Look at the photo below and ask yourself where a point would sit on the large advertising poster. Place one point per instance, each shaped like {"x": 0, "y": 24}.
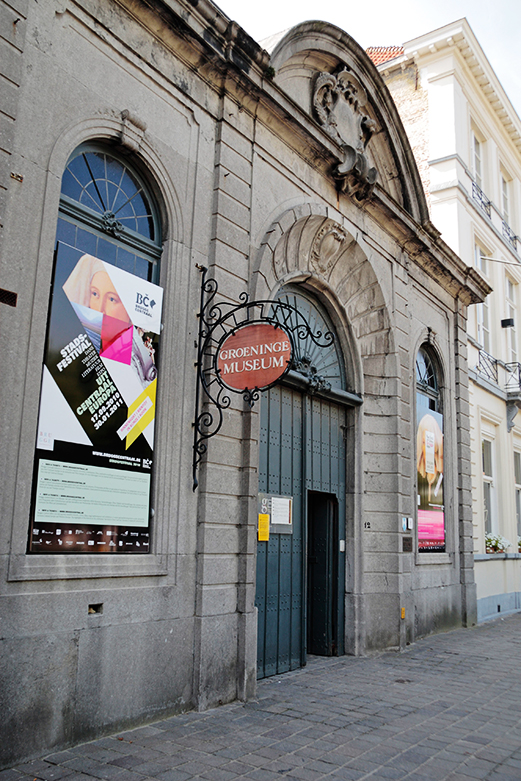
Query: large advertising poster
{"x": 429, "y": 454}
{"x": 95, "y": 440}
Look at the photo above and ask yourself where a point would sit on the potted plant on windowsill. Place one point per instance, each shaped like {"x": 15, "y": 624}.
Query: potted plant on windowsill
{"x": 496, "y": 543}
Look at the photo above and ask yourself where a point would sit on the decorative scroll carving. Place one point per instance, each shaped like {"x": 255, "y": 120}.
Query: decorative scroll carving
{"x": 327, "y": 246}
{"x": 316, "y": 381}
{"x": 111, "y": 224}
{"x": 338, "y": 100}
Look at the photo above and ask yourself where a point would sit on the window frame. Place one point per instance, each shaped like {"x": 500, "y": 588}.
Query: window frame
{"x": 488, "y": 486}
{"x": 511, "y": 310}
{"x": 429, "y": 389}
{"x": 147, "y": 561}
{"x": 483, "y": 330}
{"x": 477, "y": 158}
{"x": 517, "y": 489}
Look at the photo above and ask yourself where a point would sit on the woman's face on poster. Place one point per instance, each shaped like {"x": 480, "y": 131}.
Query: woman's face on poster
{"x": 103, "y": 297}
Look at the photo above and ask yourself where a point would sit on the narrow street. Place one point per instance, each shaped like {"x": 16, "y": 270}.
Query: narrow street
{"x": 449, "y": 707}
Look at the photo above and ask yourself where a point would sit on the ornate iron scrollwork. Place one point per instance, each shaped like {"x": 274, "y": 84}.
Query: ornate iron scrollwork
{"x": 217, "y": 321}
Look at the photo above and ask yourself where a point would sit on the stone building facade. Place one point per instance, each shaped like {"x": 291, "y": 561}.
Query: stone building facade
{"x": 148, "y": 142}
{"x": 466, "y": 138}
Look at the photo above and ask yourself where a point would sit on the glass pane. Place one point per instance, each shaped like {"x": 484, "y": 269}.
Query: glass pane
{"x": 71, "y": 186}
{"x": 487, "y": 507}
{"x": 517, "y": 467}
{"x": 95, "y": 161}
{"x": 86, "y": 241}
{"x": 425, "y": 373}
{"x": 143, "y": 268}
{"x": 66, "y": 232}
{"x": 518, "y": 511}
{"x": 126, "y": 260}
{"x": 93, "y": 197}
{"x": 107, "y": 251}
{"x": 486, "y": 450}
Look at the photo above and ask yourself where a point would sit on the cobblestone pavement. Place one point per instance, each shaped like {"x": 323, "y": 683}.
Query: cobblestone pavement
{"x": 449, "y": 707}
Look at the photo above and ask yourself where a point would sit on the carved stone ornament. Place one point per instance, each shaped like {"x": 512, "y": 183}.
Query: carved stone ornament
{"x": 338, "y": 100}
{"x": 309, "y": 371}
{"x": 327, "y": 246}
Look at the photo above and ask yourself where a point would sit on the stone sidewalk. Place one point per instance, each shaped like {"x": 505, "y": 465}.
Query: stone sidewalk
{"x": 449, "y": 707}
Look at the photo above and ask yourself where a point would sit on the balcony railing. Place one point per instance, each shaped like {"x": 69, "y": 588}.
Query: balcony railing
{"x": 513, "y": 376}
{"x": 487, "y": 366}
{"x": 480, "y": 197}
{"x": 509, "y": 235}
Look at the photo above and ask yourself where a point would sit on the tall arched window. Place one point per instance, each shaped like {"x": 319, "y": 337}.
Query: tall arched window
{"x": 429, "y": 454}
{"x": 95, "y": 445}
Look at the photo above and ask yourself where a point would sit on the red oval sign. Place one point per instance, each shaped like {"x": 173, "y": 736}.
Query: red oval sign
{"x": 255, "y": 356}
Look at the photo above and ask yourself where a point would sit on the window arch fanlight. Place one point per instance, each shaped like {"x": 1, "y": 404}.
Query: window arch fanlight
{"x": 318, "y": 364}
{"x": 108, "y": 210}
{"x": 429, "y": 454}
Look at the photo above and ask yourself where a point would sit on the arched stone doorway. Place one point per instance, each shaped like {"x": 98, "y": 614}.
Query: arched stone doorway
{"x": 301, "y": 568}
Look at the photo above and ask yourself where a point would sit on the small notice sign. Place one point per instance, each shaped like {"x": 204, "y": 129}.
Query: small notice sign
{"x": 281, "y": 510}
{"x": 264, "y": 527}
{"x": 275, "y": 515}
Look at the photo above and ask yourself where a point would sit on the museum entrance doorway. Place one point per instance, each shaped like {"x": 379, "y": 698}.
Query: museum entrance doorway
{"x": 322, "y": 574}
{"x": 302, "y": 457}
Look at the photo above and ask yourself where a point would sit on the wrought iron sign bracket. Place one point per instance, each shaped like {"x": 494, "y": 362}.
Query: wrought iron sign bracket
{"x": 221, "y": 371}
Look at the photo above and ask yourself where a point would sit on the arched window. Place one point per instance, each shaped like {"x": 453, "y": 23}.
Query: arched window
{"x": 429, "y": 454}
{"x": 97, "y": 403}
{"x": 107, "y": 210}
{"x": 427, "y": 386}
{"x": 320, "y": 365}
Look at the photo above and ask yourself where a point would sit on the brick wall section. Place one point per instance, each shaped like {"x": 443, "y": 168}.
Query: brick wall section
{"x": 412, "y": 103}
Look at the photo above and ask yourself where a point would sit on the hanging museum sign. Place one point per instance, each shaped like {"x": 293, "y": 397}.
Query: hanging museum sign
{"x": 244, "y": 348}
{"x": 95, "y": 441}
{"x": 254, "y": 357}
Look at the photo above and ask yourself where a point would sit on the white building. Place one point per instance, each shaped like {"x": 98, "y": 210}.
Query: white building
{"x": 466, "y": 138}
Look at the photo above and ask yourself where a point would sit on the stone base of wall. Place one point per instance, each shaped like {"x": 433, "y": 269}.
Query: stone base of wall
{"x": 498, "y": 605}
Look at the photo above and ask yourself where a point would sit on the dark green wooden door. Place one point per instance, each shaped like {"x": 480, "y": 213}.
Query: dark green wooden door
{"x": 302, "y": 451}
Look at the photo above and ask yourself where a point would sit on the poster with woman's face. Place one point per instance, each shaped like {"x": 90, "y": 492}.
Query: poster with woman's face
{"x": 94, "y": 450}
{"x": 429, "y": 464}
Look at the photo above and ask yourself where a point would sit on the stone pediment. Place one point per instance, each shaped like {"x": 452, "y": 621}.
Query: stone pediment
{"x": 338, "y": 103}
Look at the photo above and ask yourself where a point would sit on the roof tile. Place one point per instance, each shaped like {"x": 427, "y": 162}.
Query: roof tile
{"x": 381, "y": 54}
